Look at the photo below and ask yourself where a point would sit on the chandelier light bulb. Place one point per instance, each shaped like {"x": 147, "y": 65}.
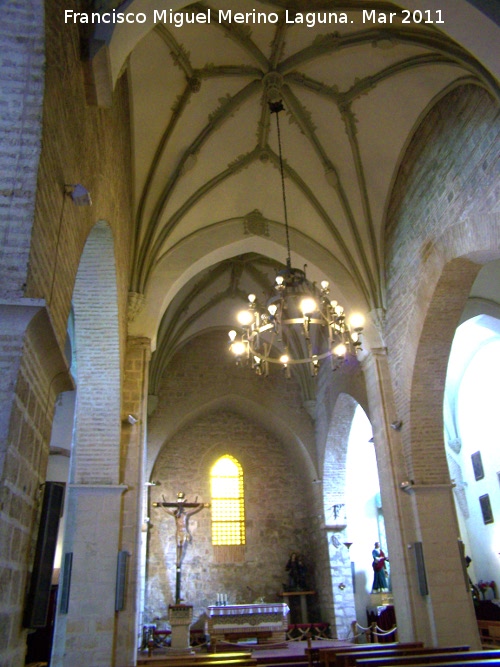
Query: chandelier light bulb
{"x": 340, "y": 350}
{"x": 339, "y": 310}
{"x": 238, "y": 349}
{"x": 279, "y": 280}
{"x": 357, "y": 321}
{"x": 308, "y": 306}
{"x": 251, "y": 298}
{"x": 284, "y": 359}
{"x": 272, "y": 309}
{"x": 232, "y": 335}
{"x": 324, "y": 285}
{"x": 245, "y": 317}
{"x": 333, "y": 303}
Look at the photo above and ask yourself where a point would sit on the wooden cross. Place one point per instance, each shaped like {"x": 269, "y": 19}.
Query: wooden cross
{"x": 182, "y": 533}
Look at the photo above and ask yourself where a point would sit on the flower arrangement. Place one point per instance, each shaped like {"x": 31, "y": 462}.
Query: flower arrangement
{"x": 484, "y": 585}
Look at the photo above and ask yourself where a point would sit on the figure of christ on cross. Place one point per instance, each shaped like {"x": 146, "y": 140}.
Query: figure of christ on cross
{"x": 182, "y": 533}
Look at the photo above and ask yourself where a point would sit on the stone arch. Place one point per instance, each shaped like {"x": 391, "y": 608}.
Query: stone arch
{"x": 211, "y": 245}
{"x": 428, "y": 382}
{"x": 336, "y": 450}
{"x": 442, "y": 220}
{"x": 336, "y": 589}
{"x": 281, "y": 426}
{"x": 97, "y": 350}
{"x": 441, "y": 228}
{"x": 94, "y": 489}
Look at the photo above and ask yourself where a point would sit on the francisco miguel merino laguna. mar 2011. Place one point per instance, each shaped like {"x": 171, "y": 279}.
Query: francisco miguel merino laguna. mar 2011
{"x": 309, "y": 19}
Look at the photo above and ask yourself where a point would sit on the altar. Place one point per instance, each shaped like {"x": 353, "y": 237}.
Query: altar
{"x": 264, "y": 623}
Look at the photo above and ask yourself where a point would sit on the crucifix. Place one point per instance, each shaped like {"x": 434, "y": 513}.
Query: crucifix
{"x": 182, "y": 533}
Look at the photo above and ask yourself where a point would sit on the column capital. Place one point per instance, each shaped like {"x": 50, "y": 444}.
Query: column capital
{"x": 139, "y": 341}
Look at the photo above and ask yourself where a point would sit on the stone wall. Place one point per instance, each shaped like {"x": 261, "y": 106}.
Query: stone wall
{"x": 276, "y": 515}
{"x": 208, "y": 407}
{"x": 444, "y": 206}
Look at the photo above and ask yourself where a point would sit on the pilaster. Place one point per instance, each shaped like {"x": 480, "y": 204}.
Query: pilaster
{"x": 84, "y": 632}
{"x": 397, "y": 506}
{"x": 133, "y": 445}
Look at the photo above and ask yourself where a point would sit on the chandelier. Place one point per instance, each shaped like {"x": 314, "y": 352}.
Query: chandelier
{"x": 299, "y": 325}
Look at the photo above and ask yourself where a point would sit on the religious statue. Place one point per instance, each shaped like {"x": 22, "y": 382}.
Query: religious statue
{"x": 379, "y": 570}
{"x": 297, "y": 571}
{"x": 182, "y": 533}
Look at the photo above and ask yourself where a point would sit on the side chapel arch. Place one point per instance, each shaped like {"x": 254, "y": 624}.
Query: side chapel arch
{"x": 92, "y": 516}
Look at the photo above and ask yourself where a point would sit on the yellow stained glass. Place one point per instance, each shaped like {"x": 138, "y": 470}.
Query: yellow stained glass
{"x": 228, "y": 514}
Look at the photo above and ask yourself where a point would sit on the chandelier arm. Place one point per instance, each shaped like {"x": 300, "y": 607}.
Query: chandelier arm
{"x": 290, "y": 362}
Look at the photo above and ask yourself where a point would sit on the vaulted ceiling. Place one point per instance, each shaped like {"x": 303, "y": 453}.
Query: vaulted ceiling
{"x": 208, "y": 204}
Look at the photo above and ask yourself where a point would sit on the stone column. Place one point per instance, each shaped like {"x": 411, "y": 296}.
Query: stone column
{"x": 133, "y": 444}
{"x": 422, "y": 514}
{"x": 34, "y": 371}
{"x": 85, "y": 634}
{"x": 410, "y": 607}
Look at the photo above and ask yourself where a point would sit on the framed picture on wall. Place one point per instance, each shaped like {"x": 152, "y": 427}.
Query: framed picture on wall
{"x": 484, "y": 501}
{"x": 477, "y": 465}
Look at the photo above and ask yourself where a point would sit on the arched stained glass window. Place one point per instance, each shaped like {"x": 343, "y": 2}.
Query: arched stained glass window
{"x": 228, "y": 510}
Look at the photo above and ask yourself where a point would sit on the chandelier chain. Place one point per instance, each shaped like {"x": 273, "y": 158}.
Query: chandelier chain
{"x": 276, "y": 108}
{"x": 300, "y": 324}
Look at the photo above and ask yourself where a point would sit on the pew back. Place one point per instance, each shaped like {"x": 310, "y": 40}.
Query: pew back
{"x": 327, "y": 656}
{"x": 385, "y": 657}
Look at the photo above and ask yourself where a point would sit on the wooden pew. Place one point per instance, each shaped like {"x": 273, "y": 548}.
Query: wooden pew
{"x": 405, "y": 653}
{"x": 327, "y": 656}
{"x": 236, "y": 659}
{"x": 435, "y": 656}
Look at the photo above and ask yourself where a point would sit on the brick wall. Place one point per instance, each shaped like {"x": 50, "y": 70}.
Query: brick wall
{"x": 81, "y": 144}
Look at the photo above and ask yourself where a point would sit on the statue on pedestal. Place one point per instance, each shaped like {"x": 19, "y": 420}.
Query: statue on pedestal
{"x": 379, "y": 566}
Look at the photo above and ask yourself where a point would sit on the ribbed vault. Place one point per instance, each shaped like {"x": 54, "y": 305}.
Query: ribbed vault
{"x": 206, "y": 156}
